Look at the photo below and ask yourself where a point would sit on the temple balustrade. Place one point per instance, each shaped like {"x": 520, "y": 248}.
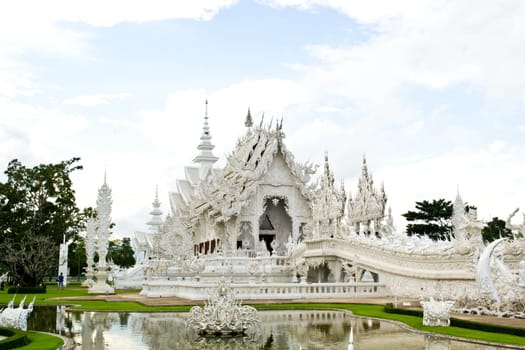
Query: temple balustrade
{"x": 160, "y": 287}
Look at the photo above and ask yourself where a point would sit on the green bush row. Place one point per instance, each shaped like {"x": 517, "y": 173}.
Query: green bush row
{"x": 390, "y": 309}
{"x": 16, "y": 338}
{"x": 456, "y": 322}
{"x": 27, "y": 290}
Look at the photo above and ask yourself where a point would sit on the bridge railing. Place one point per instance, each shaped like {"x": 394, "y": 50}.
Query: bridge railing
{"x": 280, "y": 291}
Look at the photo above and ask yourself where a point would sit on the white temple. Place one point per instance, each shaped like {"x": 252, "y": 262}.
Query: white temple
{"x": 265, "y": 222}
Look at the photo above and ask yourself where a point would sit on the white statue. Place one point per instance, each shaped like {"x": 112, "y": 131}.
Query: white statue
{"x": 62, "y": 261}
{"x": 103, "y": 223}
{"x": 484, "y": 272}
{"x": 436, "y": 312}
{"x": 12, "y": 317}
{"x": 223, "y": 314}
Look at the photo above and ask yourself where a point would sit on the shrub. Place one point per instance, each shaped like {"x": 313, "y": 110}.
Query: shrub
{"x": 456, "y": 322}
{"x": 27, "y": 290}
{"x": 390, "y": 309}
{"x": 16, "y": 338}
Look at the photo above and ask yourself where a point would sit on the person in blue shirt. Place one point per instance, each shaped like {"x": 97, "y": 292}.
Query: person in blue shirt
{"x": 61, "y": 280}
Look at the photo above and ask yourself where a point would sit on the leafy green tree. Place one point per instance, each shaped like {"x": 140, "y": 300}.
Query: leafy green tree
{"x": 77, "y": 261}
{"x": 121, "y": 252}
{"x": 496, "y": 228}
{"x": 37, "y": 207}
{"x": 431, "y": 218}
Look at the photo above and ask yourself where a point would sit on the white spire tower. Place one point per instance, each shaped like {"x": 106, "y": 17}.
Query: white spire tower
{"x": 205, "y": 159}
{"x": 458, "y": 217}
{"x": 103, "y": 222}
{"x": 156, "y": 214}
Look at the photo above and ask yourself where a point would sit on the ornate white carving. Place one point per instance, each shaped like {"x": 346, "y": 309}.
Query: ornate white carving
{"x": 368, "y": 205}
{"x": 12, "y": 317}
{"x": 223, "y": 314}
{"x": 436, "y": 312}
{"x": 261, "y": 180}
{"x": 103, "y": 223}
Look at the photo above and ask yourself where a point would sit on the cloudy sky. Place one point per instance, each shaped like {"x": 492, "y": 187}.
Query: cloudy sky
{"x": 433, "y": 92}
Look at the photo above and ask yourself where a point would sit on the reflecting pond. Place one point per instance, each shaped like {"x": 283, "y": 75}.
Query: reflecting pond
{"x": 307, "y": 330}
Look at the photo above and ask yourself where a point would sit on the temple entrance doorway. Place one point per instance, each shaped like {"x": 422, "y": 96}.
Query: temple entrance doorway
{"x": 268, "y": 239}
{"x": 275, "y": 225}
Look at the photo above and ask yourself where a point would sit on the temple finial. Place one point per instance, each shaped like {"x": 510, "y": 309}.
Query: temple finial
{"x": 248, "y": 122}
{"x": 206, "y": 127}
{"x": 205, "y": 158}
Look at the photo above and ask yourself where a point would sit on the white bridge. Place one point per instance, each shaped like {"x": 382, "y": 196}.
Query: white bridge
{"x": 359, "y": 267}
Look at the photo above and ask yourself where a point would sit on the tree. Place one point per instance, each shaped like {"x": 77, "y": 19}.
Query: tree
{"x": 77, "y": 257}
{"x": 28, "y": 259}
{"x": 37, "y": 206}
{"x": 496, "y": 228}
{"x": 121, "y": 252}
{"x": 431, "y": 218}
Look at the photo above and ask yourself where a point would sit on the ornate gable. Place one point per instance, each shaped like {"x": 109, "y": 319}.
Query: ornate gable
{"x": 229, "y": 190}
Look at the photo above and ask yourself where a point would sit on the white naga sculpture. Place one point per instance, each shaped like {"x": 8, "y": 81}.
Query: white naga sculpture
{"x": 500, "y": 288}
{"x": 223, "y": 315}
{"x": 12, "y": 317}
{"x": 484, "y": 272}
{"x": 436, "y": 312}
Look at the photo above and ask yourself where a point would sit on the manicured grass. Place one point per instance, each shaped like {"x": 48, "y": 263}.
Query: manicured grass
{"x": 131, "y": 306}
{"x": 42, "y": 341}
{"x": 52, "y": 292}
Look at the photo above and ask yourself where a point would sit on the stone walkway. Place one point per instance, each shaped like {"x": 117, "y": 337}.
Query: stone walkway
{"x": 171, "y": 301}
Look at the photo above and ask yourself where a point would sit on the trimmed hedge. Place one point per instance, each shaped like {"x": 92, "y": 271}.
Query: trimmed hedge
{"x": 390, "y": 309}
{"x": 27, "y": 290}
{"x": 456, "y": 322}
{"x": 16, "y": 338}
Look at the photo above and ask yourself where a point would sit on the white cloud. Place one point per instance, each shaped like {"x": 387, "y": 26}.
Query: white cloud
{"x": 435, "y": 44}
{"x": 94, "y": 100}
{"x": 179, "y": 124}
{"x": 29, "y": 131}
{"x": 487, "y": 179}
{"x": 47, "y": 27}
{"x": 496, "y": 147}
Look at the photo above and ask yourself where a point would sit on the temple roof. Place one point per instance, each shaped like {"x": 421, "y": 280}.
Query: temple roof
{"x": 226, "y": 191}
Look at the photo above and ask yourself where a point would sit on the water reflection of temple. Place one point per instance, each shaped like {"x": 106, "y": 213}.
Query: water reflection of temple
{"x": 296, "y": 329}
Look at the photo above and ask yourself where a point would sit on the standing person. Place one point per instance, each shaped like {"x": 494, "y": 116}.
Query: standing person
{"x": 61, "y": 280}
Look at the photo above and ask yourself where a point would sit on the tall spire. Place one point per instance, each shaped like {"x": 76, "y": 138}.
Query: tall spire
{"x": 248, "y": 122}
{"x": 364, "y": 169}
{"x": 205, "y": 159}
{"x": 104, "y": 203}
{"x": 156, "y": 221}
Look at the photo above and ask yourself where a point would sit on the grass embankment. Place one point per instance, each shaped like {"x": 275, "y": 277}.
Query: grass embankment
{"x": 42, "y": 341}
{"x": 365, "y": 310}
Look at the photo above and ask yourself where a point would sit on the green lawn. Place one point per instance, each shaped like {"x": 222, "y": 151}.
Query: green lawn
{"x": 42, "y": 341}
{"x": 358, "y": 309}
